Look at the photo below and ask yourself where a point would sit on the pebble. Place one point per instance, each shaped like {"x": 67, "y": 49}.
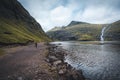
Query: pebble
{"x": 57, "y": 62}
{"x": 62, "y": 71}
{"x": 52, "y": 57}
{"x": 20, "y": 78}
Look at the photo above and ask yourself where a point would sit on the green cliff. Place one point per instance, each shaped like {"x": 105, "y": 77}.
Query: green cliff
{"x": 17, "y": 25}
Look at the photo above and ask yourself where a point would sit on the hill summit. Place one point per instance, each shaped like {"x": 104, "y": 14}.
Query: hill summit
{"x": 76, "y": 22}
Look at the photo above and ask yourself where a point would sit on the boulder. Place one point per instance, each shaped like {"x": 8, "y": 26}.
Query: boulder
{"x": 62, "y": 71}
{"x": 53, "y": 58}
{"x": 20, "y": 78}
{"x": 57, "y": 62}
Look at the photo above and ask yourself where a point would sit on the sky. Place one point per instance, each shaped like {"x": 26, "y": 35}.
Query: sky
{"x": 54, "y": 13}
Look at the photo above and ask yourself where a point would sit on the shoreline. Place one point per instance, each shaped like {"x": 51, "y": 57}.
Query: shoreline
{"x": 46, "y": 62}
{"x": 63, "y": 70}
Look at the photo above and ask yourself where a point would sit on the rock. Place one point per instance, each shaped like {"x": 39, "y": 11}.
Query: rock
{"x": 62, "y": 71}
{"x": 59, "y": 43}
{"x": 47, "y": 60}
{"x": 57, "y": 62}
{"x": 20, "y": 78}
{"x": 52, "y": 57}
{"x": 8, "y": 76}
{"x": 36, "y": 71}
{"x": 52, "y": 69}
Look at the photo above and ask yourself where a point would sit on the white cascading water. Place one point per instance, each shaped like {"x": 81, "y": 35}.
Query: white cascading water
{"x": 102, "y": 34}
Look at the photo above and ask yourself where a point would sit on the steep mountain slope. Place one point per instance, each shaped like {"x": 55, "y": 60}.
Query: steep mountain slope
{"x": 112, "y": 32}
{"x": 77, "y": 31}
{"x": 17, "y": 25}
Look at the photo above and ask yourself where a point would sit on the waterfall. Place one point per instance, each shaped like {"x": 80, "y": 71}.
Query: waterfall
{"x": 102, "y": 34}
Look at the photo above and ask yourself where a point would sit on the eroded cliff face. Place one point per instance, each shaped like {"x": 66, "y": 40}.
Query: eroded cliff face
{"x": 17, "y": 25}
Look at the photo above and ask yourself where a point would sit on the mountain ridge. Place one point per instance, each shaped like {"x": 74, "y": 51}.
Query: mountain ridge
{"x": 86, "y": 32}
{"x": 76, "y": 22}
{"x": 78, "y": 31}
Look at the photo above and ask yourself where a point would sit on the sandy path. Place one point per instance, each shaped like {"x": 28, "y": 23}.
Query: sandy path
{"x": 24, "y": 63}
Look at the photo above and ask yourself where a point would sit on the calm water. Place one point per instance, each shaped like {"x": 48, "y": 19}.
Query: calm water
{"x": 98, "y": 61}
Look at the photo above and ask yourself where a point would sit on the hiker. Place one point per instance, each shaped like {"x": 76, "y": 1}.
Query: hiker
{"x": 36, "y": 44}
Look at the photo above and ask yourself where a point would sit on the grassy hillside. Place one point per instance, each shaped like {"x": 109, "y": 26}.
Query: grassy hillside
{"x": 86, "y": 31}
{"x": 17, "y": 25}
{"x": 80, "y": 31}
{"x": 112, "y": 32}
{"x": 11, "y": 32}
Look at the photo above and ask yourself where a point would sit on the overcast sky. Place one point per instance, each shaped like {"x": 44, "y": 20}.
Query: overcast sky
{"x": 51, "y": 13}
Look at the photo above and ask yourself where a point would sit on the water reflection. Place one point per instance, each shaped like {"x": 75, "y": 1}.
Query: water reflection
{"x": 98, "y": 62}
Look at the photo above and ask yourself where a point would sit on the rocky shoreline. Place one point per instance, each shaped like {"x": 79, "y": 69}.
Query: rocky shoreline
{"x": 62, "y": 70}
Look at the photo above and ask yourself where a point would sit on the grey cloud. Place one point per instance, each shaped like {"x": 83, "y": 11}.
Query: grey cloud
{"x": 94, "y": 11}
